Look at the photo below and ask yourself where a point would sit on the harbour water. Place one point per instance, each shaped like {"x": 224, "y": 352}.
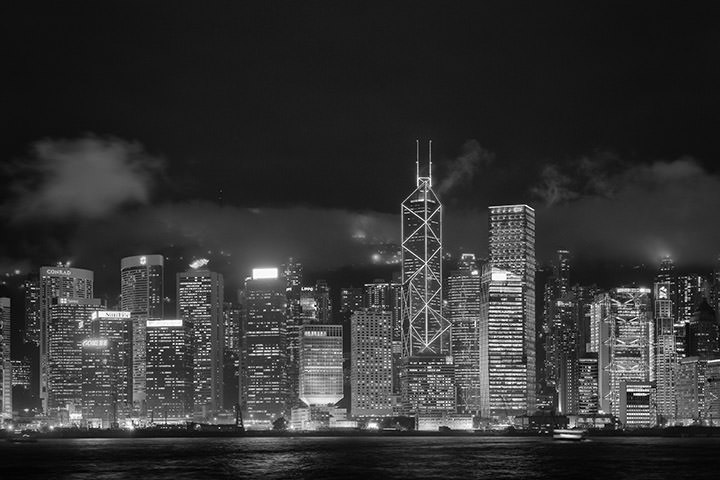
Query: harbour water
{"x": 362, "y": 457}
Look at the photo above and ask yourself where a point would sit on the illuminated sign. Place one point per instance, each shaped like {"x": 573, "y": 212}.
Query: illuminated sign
{"x": 200, "y": 262}
{"x": 95, "y": 343}
{"x": 262, "y": 273}
{"x": 499, "y": 276}
{"x": 663, "y": 292}
{"x": 164, "y": 323}
{"x": 110, "y": 315}
{"x": 315, "y": 333}
{"x": 55, "y": 271}
{"x": 143, "y": 260}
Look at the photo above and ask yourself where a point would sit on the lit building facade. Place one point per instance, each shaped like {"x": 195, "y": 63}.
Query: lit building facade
{"x": 425, "y": 331}
{"x": 511, "y": 310}
{"x": 630, "y": 340}
{"x": 588, "y": 390}
{"x": 387, "y": 296}
{"x": 200, "y": 302}
{"x": 57, "y": 282}
{"x": 691, "y": 385}
{"x": 68, "y": 325}
{"x": 321, "y": 364}
{"x": 31, "y": 293}
{"x": 464, "y": 311}
{"x": 116, "y": 327}
{"x": 99, "y": 382}
{"x": 371, "y": 363}
{"x": 264, "y": 382}
{"x": 142, "y": 293}
{"x": 169, "y": 369}
{"x": 665, "y": 351}
{"x": 636, "y": 408}
{"x": 6, "y": 367}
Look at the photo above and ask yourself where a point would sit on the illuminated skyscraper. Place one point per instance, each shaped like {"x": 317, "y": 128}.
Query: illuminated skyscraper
{"x": 264, "y": 383}
{"x": 628, "y": 315}
{"x": 200, "y": 300}
{"x": 99, "y": 381}
{"x": 116, "y": 328}
{"x": 387, "y": 296}
{"x": 31, "y": 329}
{"x": 5, "y": 363}
{"x": 511, "y": 310}
{"x": 371, "y": 363}
{"x": 141, "y": 289}
{"x": 665, "y": 351}
{"x": 425, "y": 331}
{"x": 702, "y": 333}
{"x": 464, "y": 311}
{"x": 689, "y": 295}
{"x": 58, "y": 282}
{"x": 293, "y": 273}
{"x": 321, "y": 364}
{"x": 169, "y": 369}
{"x": 323, "y": 302}
{"x": 68, "y": 325}
{"x": 588, "y": 392}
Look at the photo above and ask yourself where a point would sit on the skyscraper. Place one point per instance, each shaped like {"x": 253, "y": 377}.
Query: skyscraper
{"x": 371, "y": 363}
{"x": 464, "y": 311}
{"x": 169, "y": 369}
{"x": 68, "y": 325}
{"x": 32, "y": 310}
{"x": 58, "y": 282}
{"x": 265, "y": 354}
{"x": 426, "y": 332}
{"x": 665, "y": 351}
{"x": 141, "y": 289}
{"x": 293, "y": 274}
{"x": 99, "y": 381}
{"x": 628, "y": 315}
{"x": 511, "y": 310}
{"x": 200, "y": 300}
{"x": 689, "y": 295}
{"x": 5, "y": 363}
{"x": 703, "y": 333}
{"x": 321, "y": 364}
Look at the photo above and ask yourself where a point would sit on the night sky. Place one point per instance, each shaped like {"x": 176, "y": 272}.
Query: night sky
{"x": 268, "y": 129}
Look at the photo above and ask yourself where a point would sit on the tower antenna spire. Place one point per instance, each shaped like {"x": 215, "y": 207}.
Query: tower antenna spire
{"x": 417, "y": 161}
{"x": 430, "y": 158}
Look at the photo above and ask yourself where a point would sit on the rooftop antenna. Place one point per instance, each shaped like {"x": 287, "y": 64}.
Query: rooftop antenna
{"x": 430, "y": 157}
{"x": 417, "y": 161}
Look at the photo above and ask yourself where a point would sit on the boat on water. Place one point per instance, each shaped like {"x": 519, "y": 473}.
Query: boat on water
{"x": 569, "y": 434}
{"x": 22, "y": 437}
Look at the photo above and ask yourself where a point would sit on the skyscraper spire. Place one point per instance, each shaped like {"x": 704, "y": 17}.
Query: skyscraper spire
{"x": 417, "y": 162}
{"x": 430, "y": 161}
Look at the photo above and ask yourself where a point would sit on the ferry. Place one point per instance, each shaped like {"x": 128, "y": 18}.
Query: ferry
{"x": 569, "y": 434}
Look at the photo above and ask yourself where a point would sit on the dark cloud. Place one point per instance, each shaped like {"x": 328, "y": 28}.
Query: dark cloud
{"x": 461, "y": 171}
{"x": 613, "y": 210}
{"x": 82, "y": 178}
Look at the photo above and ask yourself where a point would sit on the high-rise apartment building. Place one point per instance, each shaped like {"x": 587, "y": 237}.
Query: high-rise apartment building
{"x": 511, "y": 310}
{"x": 321, "y": 364}
{"x": 371, "y": 363}
{"x": 200, "y": 301}
{"x": 5, "y": 362}
{"x": 169, "y": 370}
{"x": 264, "y": 383}
{"x": 464, "y": 311}
{"x": 57, "y": 282}
{"x": 142, "y": 293}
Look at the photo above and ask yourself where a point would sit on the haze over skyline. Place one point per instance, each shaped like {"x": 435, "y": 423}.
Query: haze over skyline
{"x": 268, "y": 131}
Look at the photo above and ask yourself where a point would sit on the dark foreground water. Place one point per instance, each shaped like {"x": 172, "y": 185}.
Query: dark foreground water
{"x": 362, "y": 457}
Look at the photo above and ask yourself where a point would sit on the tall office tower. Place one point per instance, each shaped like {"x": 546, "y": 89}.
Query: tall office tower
{"x": 57, "y": 282}
{"x": 142, "y": 293}
{"x": 264, "y": 382}
{"x": 716, "y": 287}
{"x": 169, "y": 370}
{"x": 464, "y": 311}
{"x": 511, "y": 310}
{"x": 5, "y": 363}
{"x": 232, "y": 317}
{"x": 702, "y": 333}
{"x": 425, "y": 331}
{"x": 630, "y": 340}
{"x": 387, "y": 296}
{"x": 692, "y": 380}
{"x": 31, "y": 329}
{"x": 200, "y": 298}
{"x": 116, "y": 328}
{"x": 68, "y": 325}
{"x": 665, "y": 351}
{"x": 292, "y": 271}
{"x": 599, "y": 346}
{"x": 588, "y": 391}
{"x": 323, "y": 302}
{"x": 637, "y": 409}
{"x": 99, "y": 381}
{"x": 371, "y": 363}
{"x": 321, "y": 364}
{"x": 689, "y": 295}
